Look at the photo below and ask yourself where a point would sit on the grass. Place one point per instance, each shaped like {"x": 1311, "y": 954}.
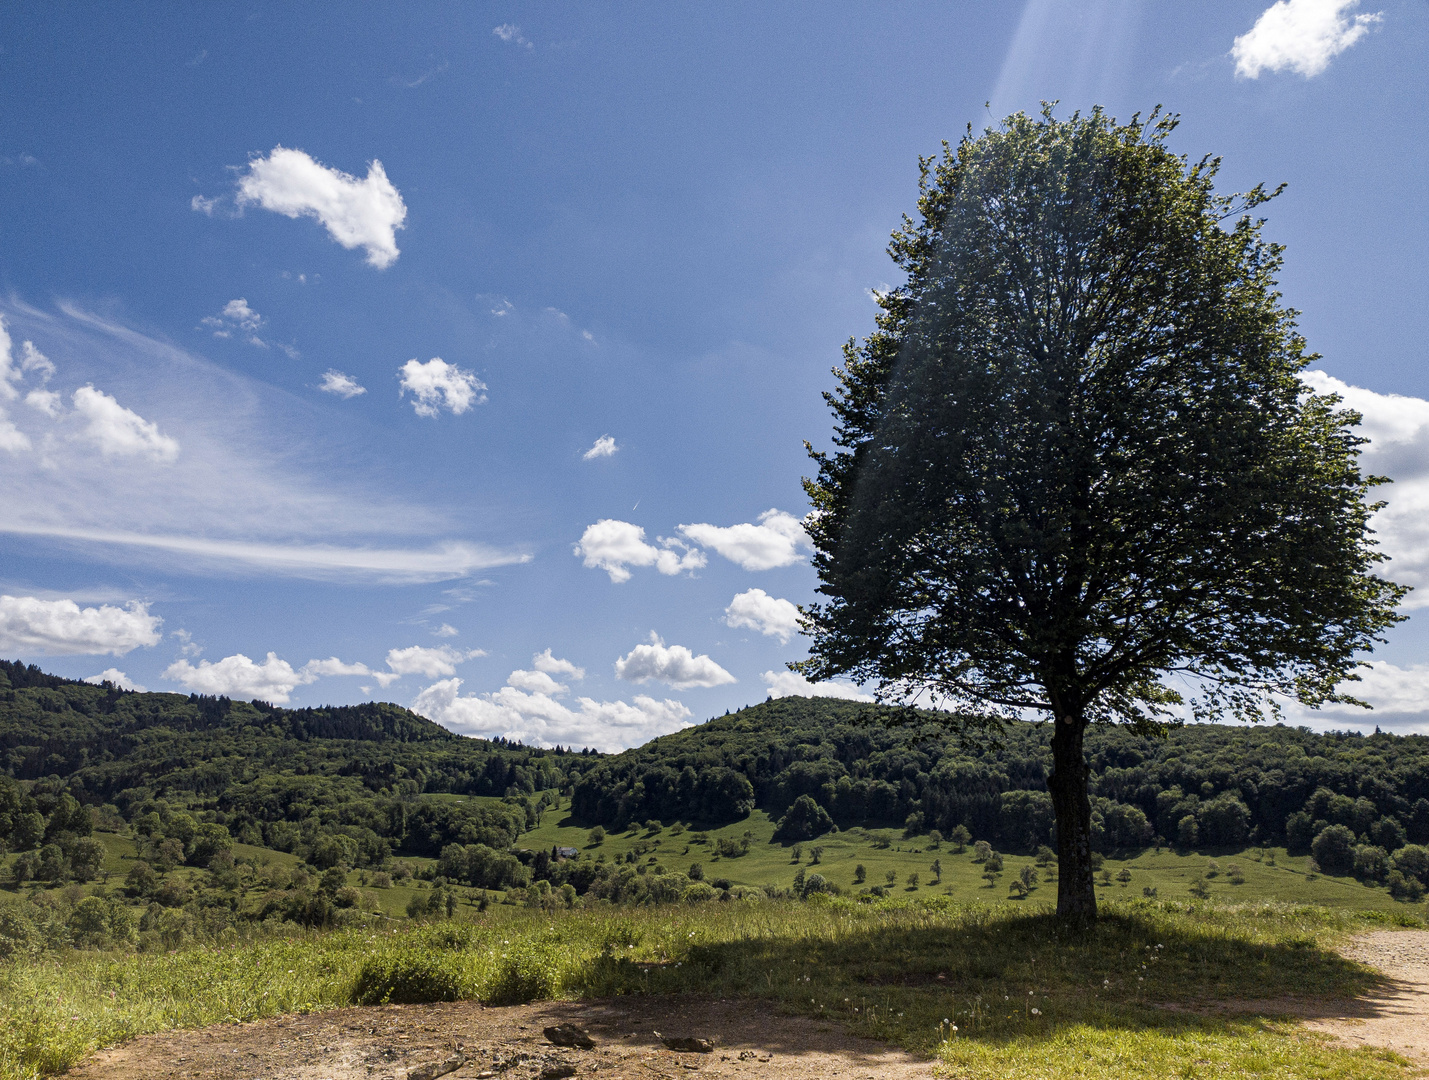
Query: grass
{"x": 894, "y": 970}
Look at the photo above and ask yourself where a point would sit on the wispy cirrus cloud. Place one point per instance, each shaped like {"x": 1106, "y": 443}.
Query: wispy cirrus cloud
{"x": 198, "y": 466}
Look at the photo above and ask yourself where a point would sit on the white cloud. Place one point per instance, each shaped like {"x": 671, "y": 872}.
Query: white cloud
{"x": 202, "y": 205}
{"x": 236, "y": 315}
{"x": 437, "y": 384}
{"x": 356, "y": 213}
{"x": 1302, "y": 35}
{"x": 333, "y": 666}
{"x": 61, "y": 627}
{"x": 792, "y": 684}
{"x": 554, "y": 665}
{"x": 612, "y": 545}
{"x": 1399, "y": 697}
{"x": 13, "y": 371}
{"x": 344, "y": 386}
{"x": 604, "y": 447}
{"x": 256, "y": 489}
{"x": 237, "y": 676}
{"x": 539, "y": 719}
{"x": 12, "y": 439}
{"x": 755, "y": 609}
{"x": 674, "y": 665}
{"x": 512, "y": 33}
{"x": 421, "y": 660}
{"x": 1398, "y": 431}
{"x": 118, "y": 678}
{"x": 536, "y": 682}
{"x": 320, "y": 561}
{"x": 45, "y": 401}
{"x": 446, "y": 630}
{"x": 774, "y": 542}
{"x": 118, "y": 431}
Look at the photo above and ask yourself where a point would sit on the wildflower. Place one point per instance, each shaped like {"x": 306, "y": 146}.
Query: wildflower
{"x": 1036, "y": 1012}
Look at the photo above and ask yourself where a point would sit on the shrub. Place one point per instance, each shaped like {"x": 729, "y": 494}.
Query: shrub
{"x": 697, "y": 892}
{"x": 1408, "y": 889}
{"x": 804, "y": 820}
{"x": 860, "y": 874}
{"x": 1412, "y": 861}
{"x": 1371, "y": 862}
{"x": 528, "y": 973}
{"x": 1333, "y": 849}
{"x": 1200, "y": 889}
{"x": 1235, "y": 875}
{"x": 696, "y": 872}
{"x": 913, "y": 879}
{"x": 993, "y": 862}
{"x": 409, "y": 978}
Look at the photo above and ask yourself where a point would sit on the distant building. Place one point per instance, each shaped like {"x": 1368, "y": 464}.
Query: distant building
{"x": 567, "y": 852}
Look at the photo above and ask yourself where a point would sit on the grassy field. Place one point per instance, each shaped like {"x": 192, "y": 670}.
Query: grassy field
{"x": 1268, "y": 874}
{"x": 991, "y": 991}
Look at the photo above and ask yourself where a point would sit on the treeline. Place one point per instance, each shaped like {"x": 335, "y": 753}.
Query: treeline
{"x": 356, "y": 780}
{"x": 1200, "y": 786}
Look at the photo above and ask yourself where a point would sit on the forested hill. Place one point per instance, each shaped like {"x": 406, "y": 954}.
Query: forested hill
{"x": 282, "y": 778}
{"x": 1207, "y": 784}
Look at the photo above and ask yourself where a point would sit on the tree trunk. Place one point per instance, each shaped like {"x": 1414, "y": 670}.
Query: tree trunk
{"x": 1076, "y": 893}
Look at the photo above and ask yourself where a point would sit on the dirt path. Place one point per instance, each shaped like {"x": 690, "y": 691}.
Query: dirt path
{"x": 1397, "y": 1017}
{"x": 395, "y": 1042}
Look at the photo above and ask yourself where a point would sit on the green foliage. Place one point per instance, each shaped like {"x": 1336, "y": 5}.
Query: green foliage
{"x": 1334, "y": 849}
{"x": 1077, "y": 455}
{"x": 804, "y": 820}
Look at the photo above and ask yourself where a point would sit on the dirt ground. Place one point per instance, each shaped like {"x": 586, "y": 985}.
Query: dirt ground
{"x": 395, "y": 1042}
{"x": 406, "y": 1042}
{"x": 1397, "y": 1017}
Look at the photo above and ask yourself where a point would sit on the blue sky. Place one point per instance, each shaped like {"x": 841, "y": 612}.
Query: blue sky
{"x": 589, "y": 267}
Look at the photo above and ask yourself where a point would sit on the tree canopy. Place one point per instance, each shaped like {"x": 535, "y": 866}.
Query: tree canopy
{"x": 1075, "y": 468}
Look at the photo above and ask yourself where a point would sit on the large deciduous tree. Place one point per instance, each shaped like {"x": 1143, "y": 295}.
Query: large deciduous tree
{"x": 1075, "y": 468}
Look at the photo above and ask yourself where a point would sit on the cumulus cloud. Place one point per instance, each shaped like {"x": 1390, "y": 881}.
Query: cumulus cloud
{"x": 436, "y": 385}
{"x": 1301, "y": 35}
{"x": 421, "y": 660}
{"x": 446, "y": 630}
{"x": 772, "y": 543}
{"x": 356, "y": 213}
{"x": 344, "y": 386}
{"x": 539, "y": 719}
{"x": 121, "y": 432}
{"x": 792, "y": 684}
{"x": 118, "y": 678}
{"x": 1397, "y": 428}
{"x": 536, "y": 682}
{"x": 755, "y": 609}
{"x": 333, "y": 666}
{"x": 674, "y": 665}
{"x": 61, "y": 627}
{"x": 554, "y": 665}
{"x": 604, "y": 447}
{"x": 237, "y": 676}
{"x": 12, "y": 439}
{"x": 612, "y": 546}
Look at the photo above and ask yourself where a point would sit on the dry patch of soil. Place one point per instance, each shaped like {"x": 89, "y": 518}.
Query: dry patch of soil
{"x": 1397, "y": 1016}
{"x": 398, "y": 1042}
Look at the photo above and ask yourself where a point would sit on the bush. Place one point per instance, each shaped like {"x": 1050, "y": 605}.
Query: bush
{"x": 1371, "y": 863}
{"x": 804, "y": 820}
{"x": 526, "y": 974}
{"x": 1333, "y": 849}
{"x": 696, "y": 872}
{"x": 409, "y": 978}
{"x": 1408, "y": 889}
{"x": 860, "y": 874}
{"x": 697, "y": 892}
{"x": 1412, "y": 861}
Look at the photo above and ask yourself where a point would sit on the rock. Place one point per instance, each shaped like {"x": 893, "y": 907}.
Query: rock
{"x": 686, "y": 1045}
{"x": 569, "y": 1035}
{"x": 558, "y": 1072}
{"x": 434, "y": 1069}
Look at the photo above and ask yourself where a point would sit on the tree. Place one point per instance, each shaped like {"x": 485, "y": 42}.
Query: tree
{"x": 1075, "y": 470}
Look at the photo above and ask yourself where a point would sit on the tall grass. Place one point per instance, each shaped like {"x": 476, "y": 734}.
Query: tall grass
{"x": 891, "y": 970}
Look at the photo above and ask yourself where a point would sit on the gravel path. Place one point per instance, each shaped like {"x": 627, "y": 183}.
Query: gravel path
{"x": 1397, "y": 1017}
